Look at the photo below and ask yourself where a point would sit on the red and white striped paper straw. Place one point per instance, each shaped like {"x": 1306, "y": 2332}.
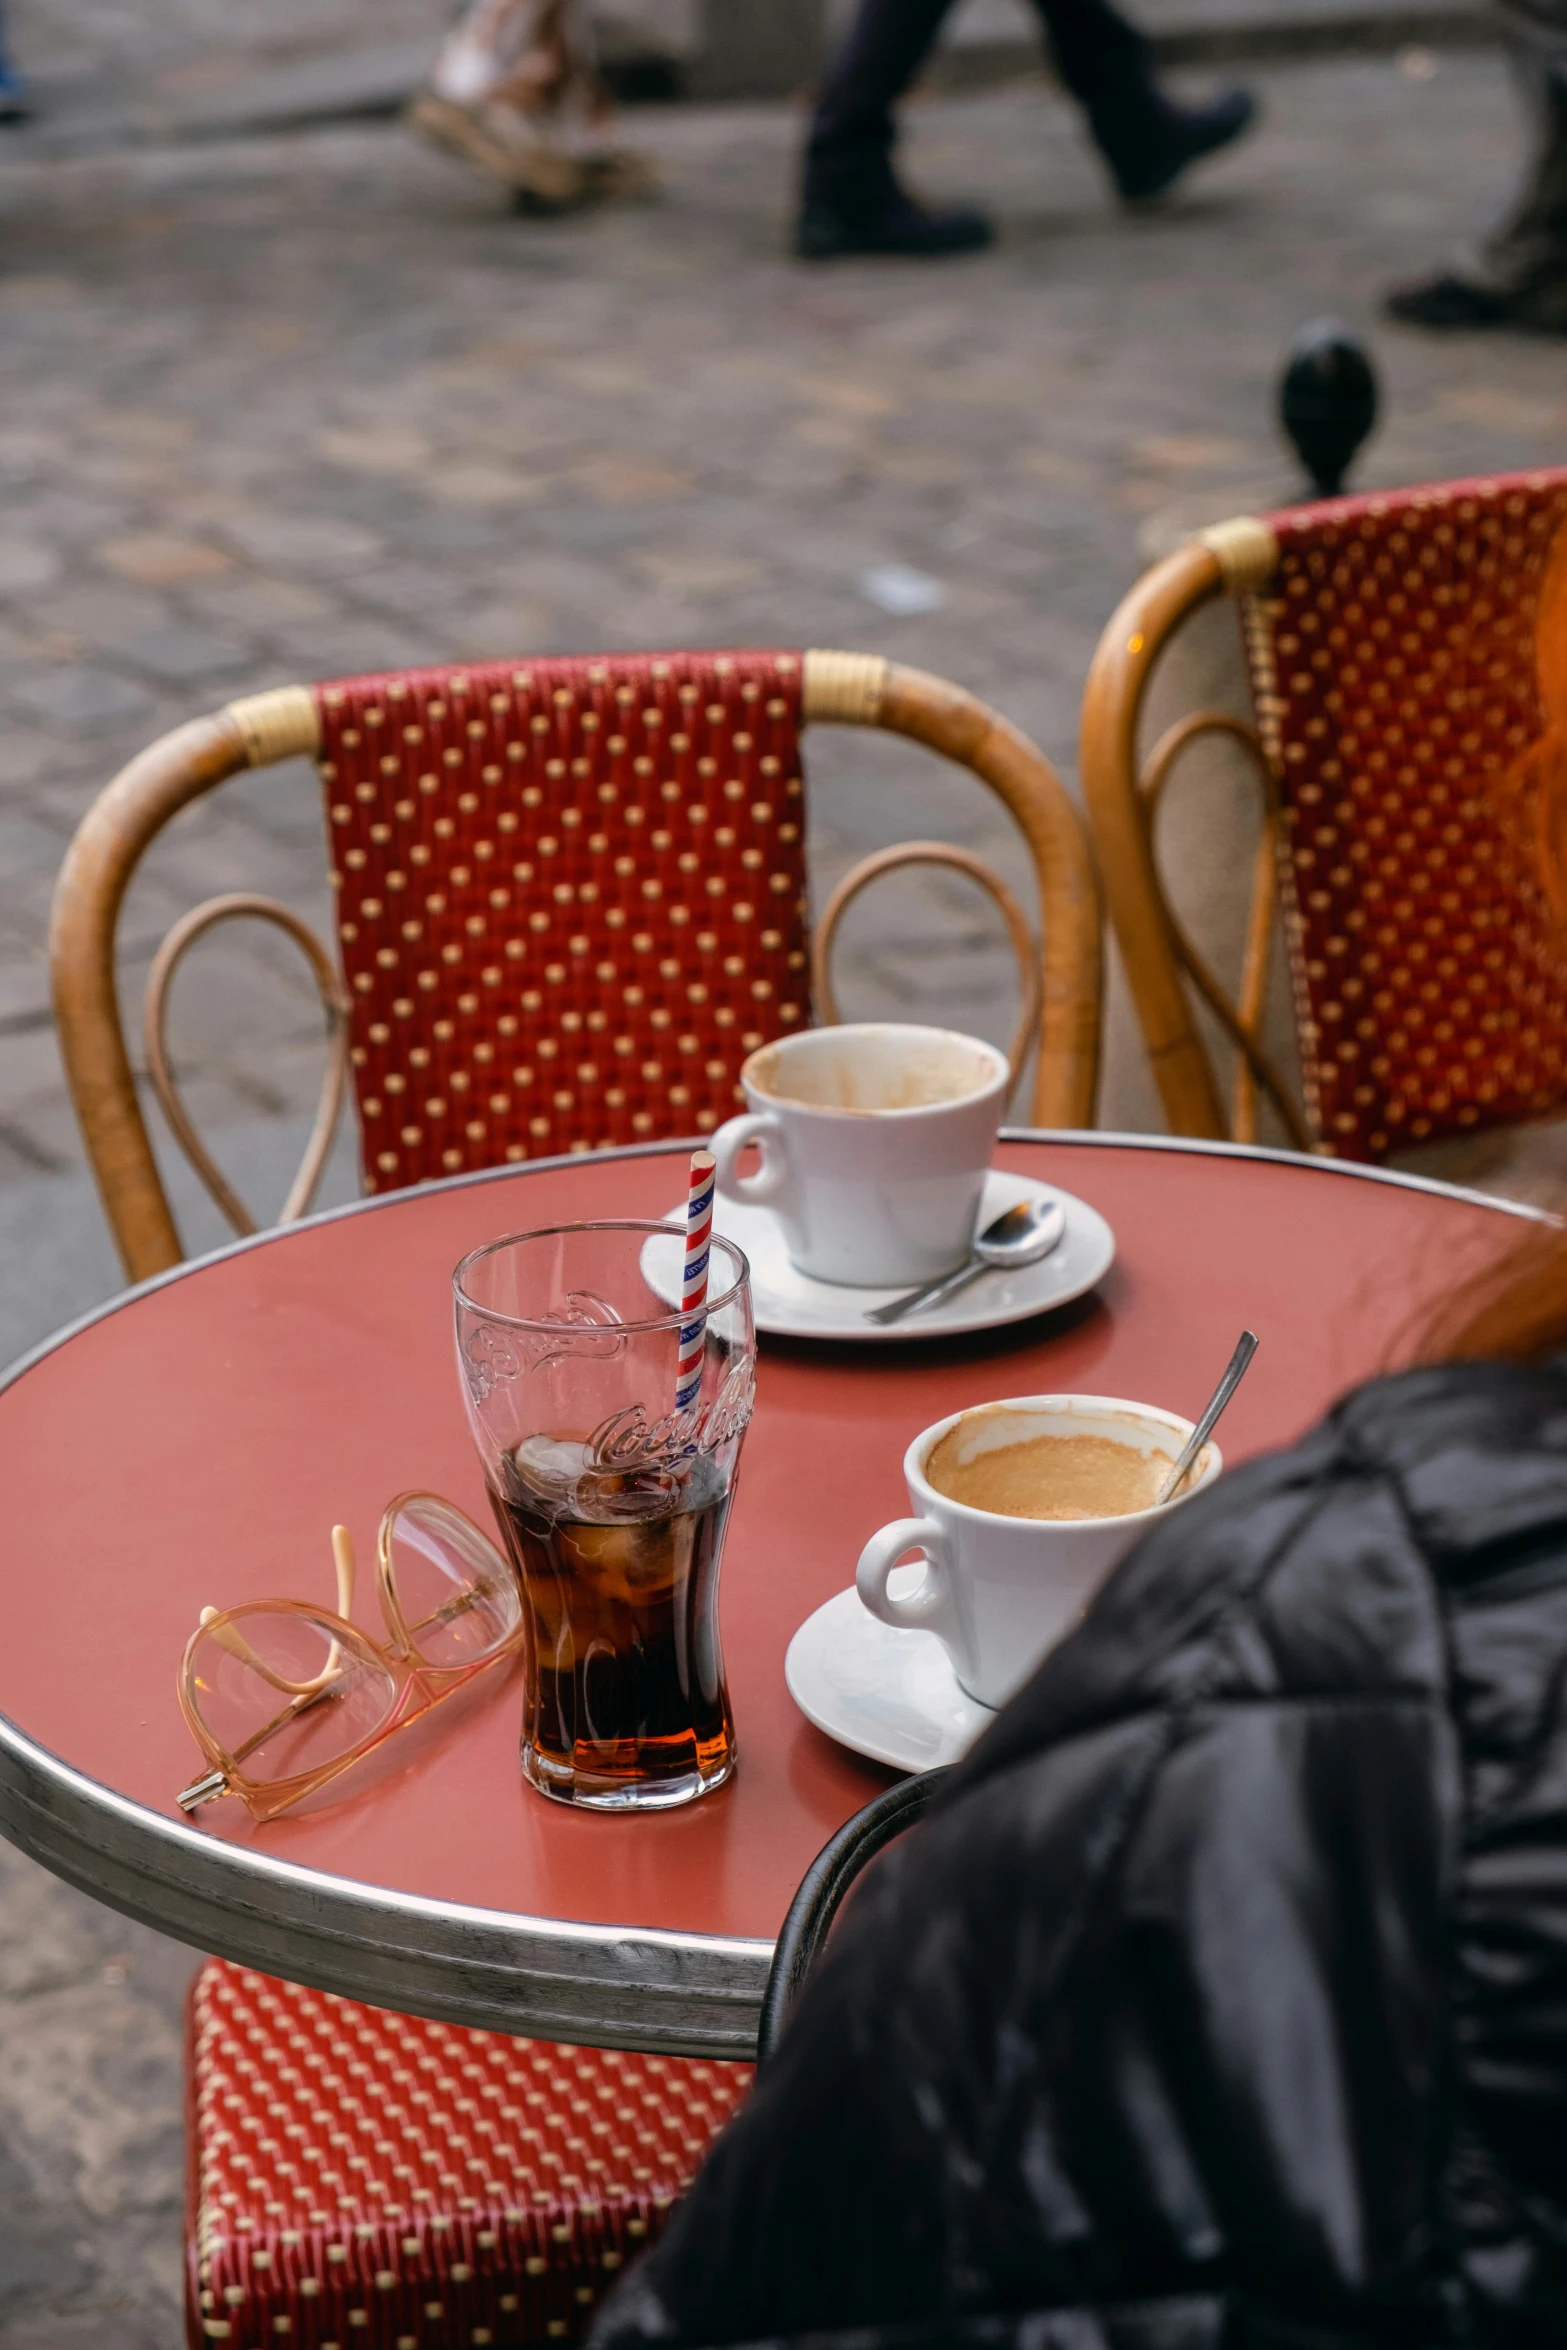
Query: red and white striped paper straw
{"x": 693, "y": 1288}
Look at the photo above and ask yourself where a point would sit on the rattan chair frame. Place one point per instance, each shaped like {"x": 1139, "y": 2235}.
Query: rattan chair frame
{"x": 1164, "y": 968}
{"x": 838, "y": 688}
{"x": 940, "y": 853}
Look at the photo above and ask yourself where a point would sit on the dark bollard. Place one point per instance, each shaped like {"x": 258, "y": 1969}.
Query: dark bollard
{"x": 1327, "y": 401}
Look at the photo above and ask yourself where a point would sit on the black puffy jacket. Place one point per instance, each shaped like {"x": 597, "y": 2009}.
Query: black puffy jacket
{"x": 1224, "y": 1994}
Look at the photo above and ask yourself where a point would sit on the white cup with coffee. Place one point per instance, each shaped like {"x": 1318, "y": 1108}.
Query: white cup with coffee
{"x": 875, "y": 1143}
{"x": 1022, "y": 1509}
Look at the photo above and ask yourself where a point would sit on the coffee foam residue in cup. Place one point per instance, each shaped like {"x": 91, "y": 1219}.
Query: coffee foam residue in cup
{"x": 920, "y": 1074}
{"x": 1020, "y": 1471}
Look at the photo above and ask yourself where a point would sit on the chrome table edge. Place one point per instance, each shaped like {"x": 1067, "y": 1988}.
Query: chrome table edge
{"x": 607, "y": 1986}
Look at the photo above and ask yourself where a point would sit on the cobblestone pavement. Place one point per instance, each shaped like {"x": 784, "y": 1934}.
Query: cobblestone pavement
{"x": 90, "y": 2122}
{"x": 195, "y": 43}
{"x": 280, "y": 409}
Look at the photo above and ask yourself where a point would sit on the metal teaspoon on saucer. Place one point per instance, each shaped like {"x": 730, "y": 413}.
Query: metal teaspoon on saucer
{"x": 1018, "y": 1236}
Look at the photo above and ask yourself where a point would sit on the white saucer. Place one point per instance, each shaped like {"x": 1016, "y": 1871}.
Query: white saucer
{"x": 887, "y": 1694}
{"x": 791, "y": 1305}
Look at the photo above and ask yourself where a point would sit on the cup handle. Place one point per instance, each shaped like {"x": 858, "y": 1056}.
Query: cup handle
{"x": 930, "y": 1608}
{"x": 771, "y": 1184}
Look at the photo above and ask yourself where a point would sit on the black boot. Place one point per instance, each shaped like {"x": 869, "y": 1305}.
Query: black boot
{"x": 1519, "y": 278}
{"x": 1148, "y": 140}
{"x": 867, "y": 211}
{"x": 1449, "y": 301}
{"x": 852, "y": 202}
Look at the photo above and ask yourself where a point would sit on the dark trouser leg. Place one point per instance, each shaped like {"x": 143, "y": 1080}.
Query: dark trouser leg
{"x": 1095, "y": 49}
{"x": 1105, "y": 62}
{"x": 1520, "y": 272}
{"x": 853, "y": 130}
{"x": 1108, "y": 65}
{"x": 1529, "y": 250}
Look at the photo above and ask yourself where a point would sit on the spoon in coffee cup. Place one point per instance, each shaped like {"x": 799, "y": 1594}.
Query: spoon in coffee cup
{"x": 1234, "y": 1373}
{"x": 1018, "y": 1236}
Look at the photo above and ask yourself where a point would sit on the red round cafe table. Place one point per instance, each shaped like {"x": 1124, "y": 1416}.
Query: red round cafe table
{"x": 194, "y": 1441}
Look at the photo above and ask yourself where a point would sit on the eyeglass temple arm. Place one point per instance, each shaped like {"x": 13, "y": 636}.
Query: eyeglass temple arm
{"x": 344, "y": 1561}
{"x": 229, "y": 1636}
{"x": 302, "y": 1694}
{"x": 215, "y": 1783}
{"x": 206, "y": 1789}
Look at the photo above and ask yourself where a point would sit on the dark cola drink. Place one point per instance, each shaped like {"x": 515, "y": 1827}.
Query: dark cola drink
{"x": 619, "y": 1569}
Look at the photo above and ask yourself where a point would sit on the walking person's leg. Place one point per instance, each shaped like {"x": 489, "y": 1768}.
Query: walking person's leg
{"x": 852, "y": 200}
{"x": 515, "y": 89}
{"x": 1146, "y": 138}
{"x": 1518, "y": 276}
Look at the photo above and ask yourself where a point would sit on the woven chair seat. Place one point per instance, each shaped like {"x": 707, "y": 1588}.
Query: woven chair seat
{"x": 373, "y": 2181}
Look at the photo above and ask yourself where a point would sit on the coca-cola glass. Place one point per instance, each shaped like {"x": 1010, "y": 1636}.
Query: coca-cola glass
{"x": 612, "y": 1502}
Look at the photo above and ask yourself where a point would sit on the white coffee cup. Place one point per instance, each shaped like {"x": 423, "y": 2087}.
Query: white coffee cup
{"x": 998, "y": 1592}
{"x": 875, "y": 1143}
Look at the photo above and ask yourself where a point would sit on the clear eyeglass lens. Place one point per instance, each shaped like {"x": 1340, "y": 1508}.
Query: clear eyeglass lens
{"x": 283, "y": 1693}
{"x": 457, "y": 1593}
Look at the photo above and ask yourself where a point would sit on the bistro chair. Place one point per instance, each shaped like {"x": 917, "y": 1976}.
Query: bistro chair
{"x": 386, "y": 2098}
{"x": 371, "y": 2180}
{"x": 825, "y": 1887}
{"x": 1407, "y": 659}
{"x": 571, "y": 899}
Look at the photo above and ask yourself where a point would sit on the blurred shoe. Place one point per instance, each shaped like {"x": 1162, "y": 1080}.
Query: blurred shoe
{"x": 1455, "y": 304}
{"x": 1148, "y": 140}
{"x": 15, "y": 103}
{"x": 621, "y": 173}
{"x": 617, "y": 176}
{"x": 1447, "y": 300}
{"x": 505, "y": 143}
{"x": 498, "y": 141}
{"x": 871, "y": 213}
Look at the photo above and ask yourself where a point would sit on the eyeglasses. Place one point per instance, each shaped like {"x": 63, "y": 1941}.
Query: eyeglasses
{"x": 452, "y": 1610}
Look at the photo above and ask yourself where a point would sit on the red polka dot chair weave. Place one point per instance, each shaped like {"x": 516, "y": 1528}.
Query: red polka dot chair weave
{"x": 367, "y": 2180}
{"x": 1410, "y": 664}
{"x": 571, "y": 899}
